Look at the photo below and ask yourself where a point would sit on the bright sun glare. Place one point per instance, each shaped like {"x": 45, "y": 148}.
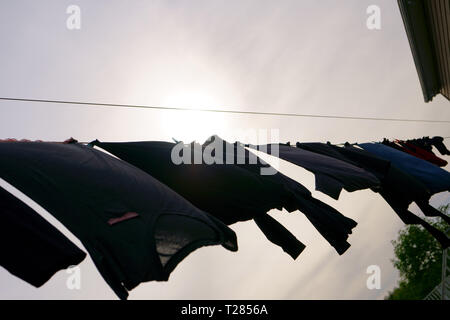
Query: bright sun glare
{"x": 188, "y": 126}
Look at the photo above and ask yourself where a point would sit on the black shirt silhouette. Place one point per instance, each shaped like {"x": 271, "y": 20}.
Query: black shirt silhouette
{"x": 31, "y": 248}
{"x": 397, "y": 188}
{"x": 234, "y": 192}
{"x": 135, "y": 228}
{"x": 427, "y": 143}
{"x": 331, "y": 174}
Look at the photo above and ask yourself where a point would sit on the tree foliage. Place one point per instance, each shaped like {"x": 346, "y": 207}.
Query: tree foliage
{"x": 418, "y": 258}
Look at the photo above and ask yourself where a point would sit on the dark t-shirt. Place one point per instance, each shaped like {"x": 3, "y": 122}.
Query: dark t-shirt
{"x": 434, "y": 178}
{"x": 135, "y": 228}
{"x": 31, "y": 248}
{"x": 397, "y": 187}
{"x": 235, "y": 193}
{"x": 332, "y": 174}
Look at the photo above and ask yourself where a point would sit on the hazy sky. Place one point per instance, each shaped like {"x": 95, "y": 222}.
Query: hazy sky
{"x": 299, "y": 56}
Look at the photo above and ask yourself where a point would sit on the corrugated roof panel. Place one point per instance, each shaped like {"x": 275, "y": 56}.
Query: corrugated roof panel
{"x": 427, "y": 24}
{"x": 438, "y": 13}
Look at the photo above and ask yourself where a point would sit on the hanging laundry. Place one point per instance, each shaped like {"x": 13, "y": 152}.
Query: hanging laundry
{"x": 416, "y": 151}
{"x": 229, "y": 193}
{"x": 397, "y": 188}
{"x": 423, "y": 154}
{"x": 434, "y": 178}
{"x": 317, "y": 212}
{"x": 392, "y": 144}
{"x": 420, "y": 179}
{"x": 233, "y": 193}
{"x": 135, "y": 228}
{"x": 427, "y": 143}
{"x": 31, "y": 248}
{"x": 331, "y": 174}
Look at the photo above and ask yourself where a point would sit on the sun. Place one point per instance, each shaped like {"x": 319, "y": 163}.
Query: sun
{"x": 192, "y": 125}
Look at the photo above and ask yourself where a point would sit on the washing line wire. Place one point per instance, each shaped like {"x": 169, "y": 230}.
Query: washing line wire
{"x": 116, "y": 105}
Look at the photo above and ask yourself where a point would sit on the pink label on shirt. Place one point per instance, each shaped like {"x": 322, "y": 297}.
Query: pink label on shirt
{"x": 126, "y": 216}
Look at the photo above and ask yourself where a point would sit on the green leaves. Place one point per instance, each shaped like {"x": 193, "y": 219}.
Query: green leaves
{"x": 418, "y": 258}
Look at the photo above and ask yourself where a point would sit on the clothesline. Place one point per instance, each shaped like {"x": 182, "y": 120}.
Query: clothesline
{"x": 88, "y": 142}
{"x": 116, "y": 105}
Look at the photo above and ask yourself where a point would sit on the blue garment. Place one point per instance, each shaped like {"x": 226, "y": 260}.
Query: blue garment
{"x": 435, "y": 178}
